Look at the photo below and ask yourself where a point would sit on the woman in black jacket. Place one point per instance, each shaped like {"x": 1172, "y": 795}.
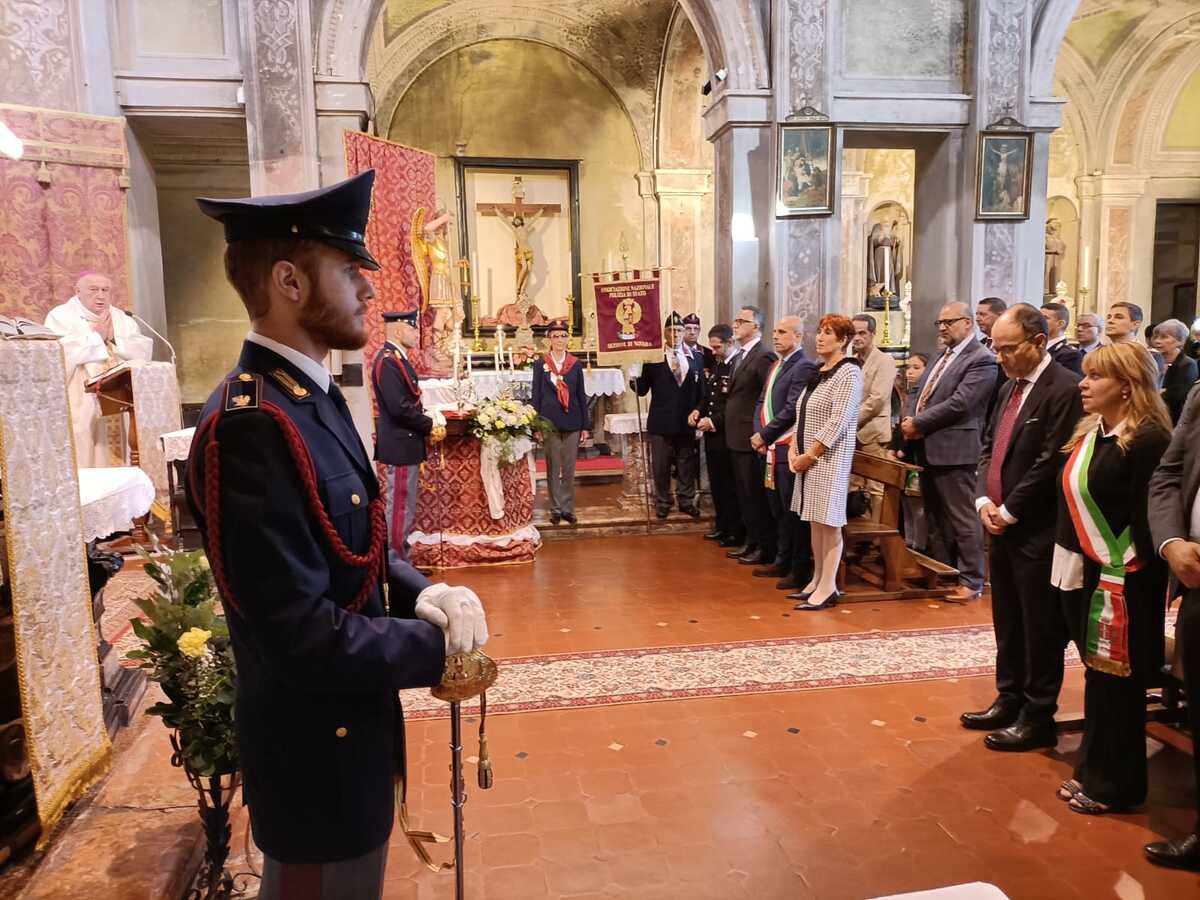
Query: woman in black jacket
{"x": 1169, "y": 340}
{"x": 1110, "y": 580}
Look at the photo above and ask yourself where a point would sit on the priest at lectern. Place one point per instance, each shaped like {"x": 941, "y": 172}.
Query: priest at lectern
{"x": 96, "y": 337}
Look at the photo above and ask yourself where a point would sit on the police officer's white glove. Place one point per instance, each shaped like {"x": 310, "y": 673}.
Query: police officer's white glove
{"x": 458, "y": 612}
{"x": 635, "y": 369}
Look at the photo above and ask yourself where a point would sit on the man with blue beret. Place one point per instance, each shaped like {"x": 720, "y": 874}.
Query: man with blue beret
{"x": 324, "y": 631}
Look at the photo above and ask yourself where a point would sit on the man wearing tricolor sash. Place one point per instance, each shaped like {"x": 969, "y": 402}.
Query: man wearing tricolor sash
{"x": 559, "y": 395}
{"x": 775, "y": 417}
{"x": 1034, "y": 416}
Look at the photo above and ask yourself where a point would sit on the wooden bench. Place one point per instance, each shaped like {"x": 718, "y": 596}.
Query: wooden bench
{"x": 903, "y": 574}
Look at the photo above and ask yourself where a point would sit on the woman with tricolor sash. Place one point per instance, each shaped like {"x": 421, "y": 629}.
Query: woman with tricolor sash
{"x": 1111, "y": 582}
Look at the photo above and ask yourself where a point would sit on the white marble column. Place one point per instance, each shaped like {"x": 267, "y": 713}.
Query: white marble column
{"x": 1117, "y": 225}
{"x": 856, "y": 188}
{"x": 281, "y": 125}
{"x": 686, "y": 239}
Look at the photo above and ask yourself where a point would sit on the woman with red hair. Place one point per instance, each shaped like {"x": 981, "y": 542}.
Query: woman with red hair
{"x": 826, "y": 421}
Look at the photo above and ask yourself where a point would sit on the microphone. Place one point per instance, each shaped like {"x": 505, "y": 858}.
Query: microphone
{"x": 152, "y": 330}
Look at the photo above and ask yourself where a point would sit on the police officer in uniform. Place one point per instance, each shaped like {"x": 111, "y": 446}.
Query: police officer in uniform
{"x": 691, "y": 343}
{"x": 729, "y": 530}
{"x": 400, "y": 428}
{"x": 293, "y": 524}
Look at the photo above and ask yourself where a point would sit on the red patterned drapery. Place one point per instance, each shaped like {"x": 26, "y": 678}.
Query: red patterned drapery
{"x": 404, "y": 181}
{"x": 453, "y": 526}
{"x": 62, "y": 209}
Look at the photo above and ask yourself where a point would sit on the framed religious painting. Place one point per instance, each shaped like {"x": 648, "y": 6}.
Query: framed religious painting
{"x": 805, "y": 175}
{"x": 1002, "y": 176}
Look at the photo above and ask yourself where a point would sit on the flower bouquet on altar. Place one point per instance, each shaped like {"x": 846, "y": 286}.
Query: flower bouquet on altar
{"x": 509, "y": 426}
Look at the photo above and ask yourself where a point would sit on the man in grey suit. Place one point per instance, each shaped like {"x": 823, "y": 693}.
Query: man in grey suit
{"x": 945, "y": 427}
{"x": 1175, "y": 524}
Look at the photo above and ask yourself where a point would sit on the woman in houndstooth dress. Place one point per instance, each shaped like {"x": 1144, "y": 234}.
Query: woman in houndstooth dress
{"x": 827, "y": 419}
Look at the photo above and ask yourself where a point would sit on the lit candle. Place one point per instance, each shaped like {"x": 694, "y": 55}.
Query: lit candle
{"x": 1083, "y": 275}
{"x": 511, "y": 365}
{"x": 470, "y": 368}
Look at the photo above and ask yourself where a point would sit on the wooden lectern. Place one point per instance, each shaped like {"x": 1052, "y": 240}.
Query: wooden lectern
{"x": 114, "y": 387}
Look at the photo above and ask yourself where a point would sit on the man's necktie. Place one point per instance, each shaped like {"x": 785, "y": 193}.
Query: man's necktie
{"x": 678, "y": 367}
{"x": 1004, "y": 432}
{"x": 934, "y": 377}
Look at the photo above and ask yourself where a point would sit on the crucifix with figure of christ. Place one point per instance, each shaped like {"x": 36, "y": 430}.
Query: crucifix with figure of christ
{"x": 519, "y": 217}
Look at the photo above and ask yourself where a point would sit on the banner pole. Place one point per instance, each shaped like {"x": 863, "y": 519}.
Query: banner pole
{"x": 645, "y": 459}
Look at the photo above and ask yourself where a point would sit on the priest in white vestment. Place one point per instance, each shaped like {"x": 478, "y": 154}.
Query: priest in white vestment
{"x": 96, "y": 337}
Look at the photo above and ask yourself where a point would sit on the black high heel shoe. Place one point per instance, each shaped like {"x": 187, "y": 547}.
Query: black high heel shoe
{"x": 827, "y": 603}
{"x": 799, "y": 595}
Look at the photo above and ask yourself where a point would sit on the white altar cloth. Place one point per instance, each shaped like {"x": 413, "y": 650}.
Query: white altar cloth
{"x": 623, "y": 423}
{"x": 596, "y": 383}
{"x": 176, "y": 444}
{"x": 111, "y": 498}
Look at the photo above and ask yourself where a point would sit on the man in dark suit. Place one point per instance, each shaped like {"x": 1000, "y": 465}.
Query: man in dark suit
{"x": 1016, "y": 489}
{"x": 292, "y": 520}
{"x": 1175, "y": 525}
{"x": 945, "y": 432}
{"x": 676, "y": 387}
{"x": 691, "y": 342}
{"x": 1058, "y": 318}
{"x": 986, "y": 314}
{"x": 559, "y": 395}
{"x": 729, "y": 530}
{"x": 749, "y": 367}
{"x": 401, "y": 428}
{"x": 776, "y": 418}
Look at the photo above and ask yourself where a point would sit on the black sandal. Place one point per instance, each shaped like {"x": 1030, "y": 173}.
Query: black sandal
{"x": 1082, "y": 803}
{"x": 1068, "y": 789}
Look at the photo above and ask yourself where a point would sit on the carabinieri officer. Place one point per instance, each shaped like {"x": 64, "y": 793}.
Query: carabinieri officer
{"x": 291, "y": 518}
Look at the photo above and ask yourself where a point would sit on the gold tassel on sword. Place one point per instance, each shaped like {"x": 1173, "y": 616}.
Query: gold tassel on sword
{"x": 466, "y": 675}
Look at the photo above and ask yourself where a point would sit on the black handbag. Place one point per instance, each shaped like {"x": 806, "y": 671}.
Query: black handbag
{"x": 857, "y": 504}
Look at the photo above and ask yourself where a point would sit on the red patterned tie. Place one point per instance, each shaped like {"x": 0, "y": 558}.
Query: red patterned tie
{"x": 1004, "y": 431}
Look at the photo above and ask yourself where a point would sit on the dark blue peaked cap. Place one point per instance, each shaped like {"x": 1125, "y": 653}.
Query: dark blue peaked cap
{"x": 335, "y": 215}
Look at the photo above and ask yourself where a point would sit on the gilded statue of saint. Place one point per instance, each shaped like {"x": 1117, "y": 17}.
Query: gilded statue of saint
{"x": 431, "y": 257}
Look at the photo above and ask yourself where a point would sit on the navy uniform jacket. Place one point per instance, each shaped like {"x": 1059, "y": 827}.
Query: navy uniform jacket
{"x": 714, "y": 399}
{"x": 798, "y": 370}
{"x": 401, "y": 426}
{"x": 318, "y": 722}
{"x": 545, "y": 398}
{"x": 708, "y": 359}
{"x": 671, "y": 403}
{"x": 1067, "y": 356}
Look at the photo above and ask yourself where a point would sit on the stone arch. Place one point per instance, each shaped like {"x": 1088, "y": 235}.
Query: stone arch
{"x": 1049, "y": 30}
{"x": 731, "y": 31}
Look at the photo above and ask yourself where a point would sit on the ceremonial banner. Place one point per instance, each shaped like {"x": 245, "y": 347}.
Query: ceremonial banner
{"x": 58, "y": 669}
{"x": 404, "y": 181}
{"x": 628, "y": 319}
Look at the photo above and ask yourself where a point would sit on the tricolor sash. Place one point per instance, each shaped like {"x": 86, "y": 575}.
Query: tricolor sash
{"x": 765, "y": 416}
{"x": 1106, "y": 647}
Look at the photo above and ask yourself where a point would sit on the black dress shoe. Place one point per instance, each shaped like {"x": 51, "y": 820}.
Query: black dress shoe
{"x": 570, "y": 517}
{"x": 740, "y": 551}
{"x": 1022, "y": 737}
{"x": 770, "y": 572}
{"x": 998, "y": 715}
{"x": 662, "y": 512}
{"x": 1183, "y": 853}
{"x": 787, "y": 584}
{"x": 692, "y": 511}
{"x": 827, "y": 603}
{"x": 555, "y": 518}
{"x": 714, "y": 536}
{"x": 754, "y": 558}
{"x": 730, "y": 542}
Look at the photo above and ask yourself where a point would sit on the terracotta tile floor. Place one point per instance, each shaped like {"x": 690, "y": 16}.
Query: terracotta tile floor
{"x": 840, "y": 793}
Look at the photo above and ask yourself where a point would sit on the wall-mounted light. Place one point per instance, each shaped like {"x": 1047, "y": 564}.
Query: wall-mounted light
{"x": 721, "y": 74}
{"x": 10, "y": 145}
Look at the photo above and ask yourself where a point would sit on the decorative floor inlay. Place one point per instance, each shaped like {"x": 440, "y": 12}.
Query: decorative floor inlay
{"x": 610, "y": 677}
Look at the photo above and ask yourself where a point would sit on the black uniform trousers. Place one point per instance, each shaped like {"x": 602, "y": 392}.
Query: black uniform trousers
{"x": 1187, "y": 643}
{"x": 720, "y": 482}
{"x": 1112, "y": 758}
{"x": 680, "y": 449}
{"x": 793, "y": 543}
{"x": 1031, "y": 632}
{"x": 749, "y": 468}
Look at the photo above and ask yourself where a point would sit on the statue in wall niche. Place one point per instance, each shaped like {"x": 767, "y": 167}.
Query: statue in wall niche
{"x": 1056, "y": 247}
{"x": 885, "y": 260}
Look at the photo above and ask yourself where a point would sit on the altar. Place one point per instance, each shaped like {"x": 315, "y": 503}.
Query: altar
{"x": 488, "y": 384}
{"x": 474, "y": 509}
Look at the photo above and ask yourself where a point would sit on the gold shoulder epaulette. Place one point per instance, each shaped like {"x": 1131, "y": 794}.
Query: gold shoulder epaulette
{"x": 242, "y": 392}
{"x": 290, "y": 385}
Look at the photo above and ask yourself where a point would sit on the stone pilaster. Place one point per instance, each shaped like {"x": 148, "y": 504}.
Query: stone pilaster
{"x": 281, "y": 128}
{"x": 686, "y": 238}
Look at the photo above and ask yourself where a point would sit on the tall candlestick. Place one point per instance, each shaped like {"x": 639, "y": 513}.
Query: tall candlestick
{"x": 1086, "y": 268}
{"x": 512, "y": 367}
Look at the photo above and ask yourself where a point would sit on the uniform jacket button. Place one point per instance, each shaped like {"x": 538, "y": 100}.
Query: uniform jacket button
{"x": 355, "y": 499}
{"x": 341, "y": 731}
